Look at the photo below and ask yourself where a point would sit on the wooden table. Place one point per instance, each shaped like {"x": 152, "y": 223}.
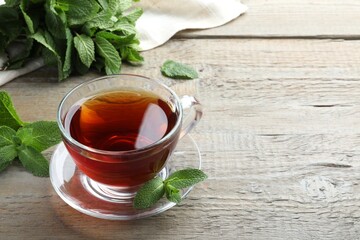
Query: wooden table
{"x": 280, "y": 138}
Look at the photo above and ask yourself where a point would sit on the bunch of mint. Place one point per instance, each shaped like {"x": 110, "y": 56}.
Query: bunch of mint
{"x": 73, "y": 35}
{"x": 25, "y": 141}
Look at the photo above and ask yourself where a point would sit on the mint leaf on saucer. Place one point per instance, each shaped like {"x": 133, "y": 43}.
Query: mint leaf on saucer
{"x": 172, "y": 194}
{"x": 185, "y": 178}
{"x": 149, "y": 194}
{"x": 33, "y": 161}
{"x": 154, "y": 190}
{"x": 40, "y": 135}
{"x": 8, "y": 114}
{"x": 178, "y": 70}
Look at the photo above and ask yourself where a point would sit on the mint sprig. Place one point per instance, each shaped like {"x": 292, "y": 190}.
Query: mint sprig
{"x": 25, "y": 141}
{"x": 178, "y": 70}
{"x": 40, "y": 135}
{"x": 152, "y": 191}
{"x": 73, "y": 35}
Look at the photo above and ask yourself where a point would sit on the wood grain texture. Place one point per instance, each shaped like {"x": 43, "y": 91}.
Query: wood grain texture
{"x": 280, "y": 140}
{"x": 291, "y": 18}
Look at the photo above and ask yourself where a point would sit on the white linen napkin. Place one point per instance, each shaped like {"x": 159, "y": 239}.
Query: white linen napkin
{"x": 164, "y": 18}
{"x": 161, "y": 20}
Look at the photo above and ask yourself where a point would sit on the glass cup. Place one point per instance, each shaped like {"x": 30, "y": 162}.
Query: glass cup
{"x": 117, "y": 175}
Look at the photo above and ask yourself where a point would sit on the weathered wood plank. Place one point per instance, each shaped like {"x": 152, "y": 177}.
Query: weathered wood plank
{"x": 291, "y": 18}
{"x": 280, "y": 140}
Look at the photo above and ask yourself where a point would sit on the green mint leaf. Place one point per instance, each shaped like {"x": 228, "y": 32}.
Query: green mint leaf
{"x": 17, "y": 140}
{"x": 55, "y": 23}
{"x": 149, "y": 194}
{"x": 111, "y": 56}
{"x": 177, "y": 70}
{"x": 117, "y": 6}
{"x": 8, "y": 114}
{"x": 28, "y": 20}
{"x": 102, "y": 20}
{"x": 185, "y": 178}
{"x": 134, "y": 15}
{"x": 45, "y": 39}
{"x": 104, "y": 4}
{"x": 49, "y": 51}
{"x": 85, "y": 48}
{"x": 33, "y": 161}
{"x": 67, "y": 68}
{"x": 24, "y": 136}
{"x": 7, "y": 145}
{"x": 172, "y": 194}
{"x": 131, "y": 55}
{"x": 6, "y": 136}
{"x": 124, "y": 4}
{"x": 49, "y": 57}
{"x": 117, "y": 40}
{"x": 124, "y": 26}
{"x": 80, "y": 11}
{"x": 8, "y": 153}
{"x": 87, "y": 30}
{"x": 40, "y": 135}
{"x": 59, "y": 5}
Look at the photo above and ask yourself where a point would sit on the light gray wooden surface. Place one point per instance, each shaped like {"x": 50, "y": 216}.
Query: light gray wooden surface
{"x": 292, "y": 19}
{"x": 280, "y": 138}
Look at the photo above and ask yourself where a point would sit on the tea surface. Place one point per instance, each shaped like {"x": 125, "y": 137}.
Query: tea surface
{"x": 121, "y": 120}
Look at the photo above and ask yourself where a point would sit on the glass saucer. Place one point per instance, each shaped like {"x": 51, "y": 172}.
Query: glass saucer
{"x": 72, "y": 185}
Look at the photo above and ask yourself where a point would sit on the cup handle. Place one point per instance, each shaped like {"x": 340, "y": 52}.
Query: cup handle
{"x": 193, "y": 117}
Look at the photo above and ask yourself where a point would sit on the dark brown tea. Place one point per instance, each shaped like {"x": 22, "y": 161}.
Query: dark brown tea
{"x": 124, "y": 120}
